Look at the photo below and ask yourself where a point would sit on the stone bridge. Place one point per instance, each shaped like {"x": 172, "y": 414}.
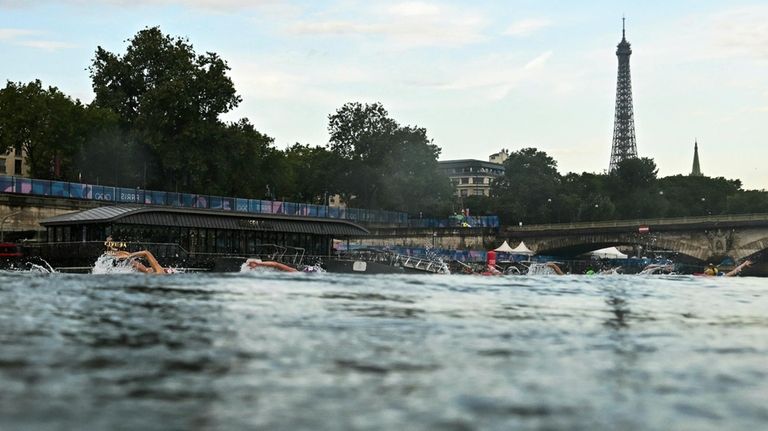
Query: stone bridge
{"x": 702, "y": 238}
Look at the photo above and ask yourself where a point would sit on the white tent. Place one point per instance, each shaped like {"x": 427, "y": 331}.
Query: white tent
{"x": 504, "y": 248}
{"x": 608, "y": 253}
{"x": 522, "y": 249}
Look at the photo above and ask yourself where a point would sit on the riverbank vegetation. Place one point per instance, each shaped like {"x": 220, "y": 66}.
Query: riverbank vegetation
{"x": 155, "y": 123}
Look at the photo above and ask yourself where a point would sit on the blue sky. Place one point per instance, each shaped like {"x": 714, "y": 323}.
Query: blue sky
{"x": 478, "y": 75}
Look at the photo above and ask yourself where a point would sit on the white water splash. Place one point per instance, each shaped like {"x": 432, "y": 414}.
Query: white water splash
{"x": 540, "y": 269}
{"x": 107, "y": 264}
{"x": 41, "y": 267}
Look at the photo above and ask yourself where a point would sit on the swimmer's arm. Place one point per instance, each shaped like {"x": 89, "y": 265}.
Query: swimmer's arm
{"x": 738, "y": 269}
{"x": 156, "y": 267}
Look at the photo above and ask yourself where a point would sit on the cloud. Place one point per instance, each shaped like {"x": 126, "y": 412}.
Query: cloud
{"x": 494, "y": 77}
{"x": 405, "y": 25}
{"x": 419, "y": 9}
{"x": 336, "y": 28}
{"x": 19, "y": 37}
{"x": 538, "y": 61}
{"x": 50, "y": 45}
{"x": 208, "y": 4}
{"x": 741, "y": 32}
{"x": 527, "y": 27}
{"x": 735, "y": 33}
{"x": 14, "y": 33}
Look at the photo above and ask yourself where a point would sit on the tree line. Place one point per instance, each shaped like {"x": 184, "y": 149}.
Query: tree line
{"x": 155, "y": 123}
{"x": 533, "y": 191}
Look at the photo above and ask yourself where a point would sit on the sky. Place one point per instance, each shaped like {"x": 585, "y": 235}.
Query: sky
{"x": 478, "y": 75}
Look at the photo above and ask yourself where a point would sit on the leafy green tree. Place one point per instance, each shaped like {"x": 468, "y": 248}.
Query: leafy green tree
{"x": 44, "y": 123}
{"x": 108, "y": 155}
{"x": 691, "y": 195}
{"x": 170, "y": 99}
{"x": 414, "y": 179}
{"x": 382, "y": 165}
{"x": 585, "y": 197}
{"x": 526, "y": 189}
{"x": 312, "y": 172}
{"x": 747, "y": 202}
{"x": 243, "y": 163}
{"x": 634, "y": 186}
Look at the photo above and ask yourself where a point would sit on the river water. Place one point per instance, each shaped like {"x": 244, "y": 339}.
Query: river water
{"x": 280, "y": 351}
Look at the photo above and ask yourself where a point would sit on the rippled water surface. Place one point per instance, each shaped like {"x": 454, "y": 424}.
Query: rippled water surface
{"x": 329, "y": 352}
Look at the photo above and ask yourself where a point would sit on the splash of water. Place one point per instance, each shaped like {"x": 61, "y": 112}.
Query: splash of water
{"x": 39, "y": 266}
{"x": 107, "y": 264}
{"x": 433, "y": 254}
{"x": 540, "y": 269}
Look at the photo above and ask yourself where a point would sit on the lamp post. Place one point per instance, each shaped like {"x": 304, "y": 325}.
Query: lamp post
{"x": 549, "y": 210}
{"x": 2, "y": 223}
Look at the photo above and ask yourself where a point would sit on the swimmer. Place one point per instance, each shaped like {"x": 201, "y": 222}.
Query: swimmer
{"x": 738, "y": 269}
{"x": 135, "y": 260}
{"x": 712, "y": 270}
{"x": 555, "y": 268}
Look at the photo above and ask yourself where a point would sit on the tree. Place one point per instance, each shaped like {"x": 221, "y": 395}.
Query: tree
{"x": 244, "y": 162}
{"x": 634, "y": 188}
{"x": 108, "y": 154}
{"x": 312, "y": 173}
{"x": 530, "y": 179}
{"x": 44, "y": 123}
{"x": 693, "y": 195}
{"x": 415, "y": 182}
{"x": 584, "y": 197}
{"x": 382, "y": 165}
{"x": 169, "y": 98}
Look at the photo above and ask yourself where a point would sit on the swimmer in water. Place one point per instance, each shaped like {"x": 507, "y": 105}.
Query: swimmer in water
{"x": 712, "y": 270}
{"x": 135, "y": 260}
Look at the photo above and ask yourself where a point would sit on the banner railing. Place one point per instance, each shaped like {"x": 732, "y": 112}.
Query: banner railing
{"x": 471, "y": 221}
{"x": 124, "y": 195}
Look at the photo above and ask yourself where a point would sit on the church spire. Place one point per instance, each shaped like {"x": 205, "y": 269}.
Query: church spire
{"x": 696, "y": 171}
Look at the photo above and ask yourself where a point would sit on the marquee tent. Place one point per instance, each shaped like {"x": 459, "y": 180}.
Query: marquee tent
{"x": 522, "y": 249}
{"x": 504, "y": 248}
{"x": 608, "y": 253}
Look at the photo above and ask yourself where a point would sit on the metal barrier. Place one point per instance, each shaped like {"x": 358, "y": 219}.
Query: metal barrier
{"x": 90, "y": 192}
{"x": 471, "y": 221}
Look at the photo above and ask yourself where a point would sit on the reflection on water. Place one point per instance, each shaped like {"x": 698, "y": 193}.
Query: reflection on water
{"x": 325, "y": 351}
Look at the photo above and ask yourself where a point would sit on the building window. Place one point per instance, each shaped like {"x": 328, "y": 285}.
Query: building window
{"x": 479, "y": 180}
{"x": 463, "y": 193}
{"x": 17, "y": 167}
{"x": 465, "y": 181}
{"x": 18, "y": 150}
{"x": 2, "y": 166}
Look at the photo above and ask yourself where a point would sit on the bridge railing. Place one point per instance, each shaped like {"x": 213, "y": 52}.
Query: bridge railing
{"x": 90, "y": 192}
{"x": 636, "y": 223}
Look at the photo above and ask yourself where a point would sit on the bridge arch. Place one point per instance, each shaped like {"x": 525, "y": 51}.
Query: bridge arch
{"x": 750, "y": 249}
{"x": 575, "y": 245}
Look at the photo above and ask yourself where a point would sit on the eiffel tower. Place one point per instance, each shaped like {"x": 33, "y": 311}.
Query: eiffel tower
{"x": 624, "y": 145}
